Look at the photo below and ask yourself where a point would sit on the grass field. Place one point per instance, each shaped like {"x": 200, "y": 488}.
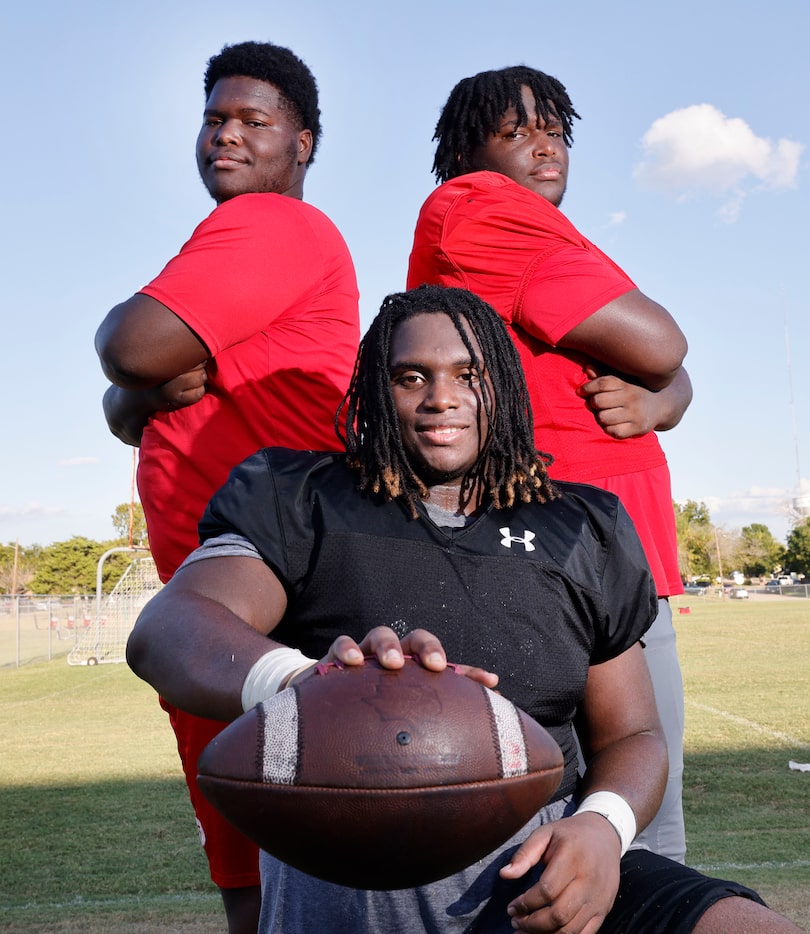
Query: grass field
{"x": 96, "y": 833}
{"x": 746, "y": 668}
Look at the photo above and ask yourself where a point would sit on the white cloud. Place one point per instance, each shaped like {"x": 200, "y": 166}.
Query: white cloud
{"x": 78, "y": 461}
{"x": 769, "y": 506}
{"x": 29, "y": 511}
{"x": 757, "y": 503}
{"x": 616, "y": 218}
{"x": 699, "y": 149}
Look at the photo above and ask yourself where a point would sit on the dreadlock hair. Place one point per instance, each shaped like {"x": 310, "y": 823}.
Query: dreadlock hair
{"x": 509, "y": 466}
{"x": 277, "y": 66}
{"x": 476, "y": 106}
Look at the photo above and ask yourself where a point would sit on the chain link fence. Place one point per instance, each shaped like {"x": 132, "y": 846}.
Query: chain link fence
{"x": 38, "y": 628}
{"x": 86, "y": 630}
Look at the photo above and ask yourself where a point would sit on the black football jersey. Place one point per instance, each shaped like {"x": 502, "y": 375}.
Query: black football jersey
{"x": 536, "y": 593}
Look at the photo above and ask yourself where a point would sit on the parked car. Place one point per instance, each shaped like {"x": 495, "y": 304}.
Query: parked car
{"x": 773, "y": 586}
{"x": 699, "y": 589}
{"x": 738, "y": 593}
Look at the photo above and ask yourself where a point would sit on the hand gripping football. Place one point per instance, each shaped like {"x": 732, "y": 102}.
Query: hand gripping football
{"x": 381, "y": 779}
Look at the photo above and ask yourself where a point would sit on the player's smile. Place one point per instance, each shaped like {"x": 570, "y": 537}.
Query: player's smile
{"x": 437, "y": 393}
{"x": 226, "y": 160}
{"x": 444, "y": 434}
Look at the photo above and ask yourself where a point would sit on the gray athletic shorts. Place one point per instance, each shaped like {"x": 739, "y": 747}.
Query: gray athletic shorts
{"x": 656, "y": 896}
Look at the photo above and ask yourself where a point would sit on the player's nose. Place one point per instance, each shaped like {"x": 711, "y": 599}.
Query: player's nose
{"x": 441, "y": 394}
{"x": 543, "y": 144}
{"x": 228, "y": 133}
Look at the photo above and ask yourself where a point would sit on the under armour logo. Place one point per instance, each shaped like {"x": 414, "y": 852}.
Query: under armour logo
{"x": 526, "y": 540}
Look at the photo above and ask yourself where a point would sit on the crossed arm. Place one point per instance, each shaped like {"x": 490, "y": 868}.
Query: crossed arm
{"x": 626, "y": 410}
{"x": 154, "y": 361}
{"x": 637, "y": 381}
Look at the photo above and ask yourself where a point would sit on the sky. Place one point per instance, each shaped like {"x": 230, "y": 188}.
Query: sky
{"x": 689, "y": 168}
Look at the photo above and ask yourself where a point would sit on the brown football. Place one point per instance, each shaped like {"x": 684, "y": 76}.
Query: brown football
{"x": 381, "y": 779}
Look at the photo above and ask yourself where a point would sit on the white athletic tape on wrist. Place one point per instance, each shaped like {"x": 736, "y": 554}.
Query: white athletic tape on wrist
{"x": 616, "y": 811}
{"x": 270, "y": 672}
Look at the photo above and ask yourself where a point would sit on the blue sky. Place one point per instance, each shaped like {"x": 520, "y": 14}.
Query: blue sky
{"x": 689, "y": 167}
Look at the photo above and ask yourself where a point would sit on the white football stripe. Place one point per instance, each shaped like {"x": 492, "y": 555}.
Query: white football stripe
{"x": 510, "y": 735}
{"x": 280, "y": 746}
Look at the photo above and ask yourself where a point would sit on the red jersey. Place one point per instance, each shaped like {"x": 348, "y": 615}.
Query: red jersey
{"x": 267, "y": 284}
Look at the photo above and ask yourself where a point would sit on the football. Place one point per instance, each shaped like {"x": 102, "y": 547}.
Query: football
{"x": 376, "y": 778}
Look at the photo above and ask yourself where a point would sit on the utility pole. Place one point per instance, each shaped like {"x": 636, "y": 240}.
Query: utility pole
{"x": 790, "y": 395}
{"x": 719, "y": 561}
{"x": 14, "y": 568}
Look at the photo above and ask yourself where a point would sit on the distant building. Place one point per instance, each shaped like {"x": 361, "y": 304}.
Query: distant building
{"x": 801, "y": 506}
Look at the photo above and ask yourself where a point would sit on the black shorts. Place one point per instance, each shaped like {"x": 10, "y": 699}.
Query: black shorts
{"x": 656, "y": 896}
{"x": 659, "y": 896}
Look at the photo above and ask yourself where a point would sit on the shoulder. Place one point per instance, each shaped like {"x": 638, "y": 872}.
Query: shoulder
{"x": 275, "y": 481}
{"x": 286, "y": 464}
{"x": 260, "y": 209}
{"x": 598, "y": 504}
{"x": 603, "y": 526}
{"x": 497, "y": 206}
{"x": 586, "y": 493}
{"x": 278, "y": 467}
{"x": 490, "y": 188}
{"x": 577, "y": 529}
{"x": 578, "y": 507}
{"x": 474, "y": 184}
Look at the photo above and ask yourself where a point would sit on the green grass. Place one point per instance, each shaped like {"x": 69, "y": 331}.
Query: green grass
{"x": 96, "y": 833}
{"x": 746, "y": 668}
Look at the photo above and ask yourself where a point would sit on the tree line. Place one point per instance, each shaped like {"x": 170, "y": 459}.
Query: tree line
{"x": 71, "y": 567}
{"x": 709, "y": 551}
{"x": 704, "y": 551}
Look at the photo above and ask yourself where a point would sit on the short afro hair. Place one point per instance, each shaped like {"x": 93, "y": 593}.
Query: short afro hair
{"x": 476, "y": 105}
{"x": 277, "y": 66}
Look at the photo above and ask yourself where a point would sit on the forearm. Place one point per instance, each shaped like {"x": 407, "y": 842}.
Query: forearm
{"x": 196, "y": 654}
{"x": 673, "y": 401}
{"x": 621, "y": 735}
{"x": 127, "y": 413}
{"x": 635, "y": 768}
{"x": 635, "y": 336}
{"x": 197, "y": 639}
{"x": 141, "y": 343}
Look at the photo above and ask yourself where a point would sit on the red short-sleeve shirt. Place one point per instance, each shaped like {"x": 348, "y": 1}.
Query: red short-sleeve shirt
{"x": 267, "y": 283}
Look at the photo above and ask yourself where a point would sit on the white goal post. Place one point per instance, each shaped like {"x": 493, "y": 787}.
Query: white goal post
{"x": 105, "y": 639}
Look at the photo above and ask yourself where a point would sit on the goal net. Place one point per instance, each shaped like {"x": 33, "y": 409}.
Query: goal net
{"x": 105, "y": 638}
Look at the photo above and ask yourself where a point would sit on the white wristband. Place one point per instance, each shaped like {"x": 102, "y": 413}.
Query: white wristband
{"x": 270, "y": 672}
{"x": 616, "y": 811}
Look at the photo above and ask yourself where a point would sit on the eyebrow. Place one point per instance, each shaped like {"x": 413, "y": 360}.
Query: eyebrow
{"x": 506, "y": 123}
{"x": 416, "y": 365}
{"x": 242, "y": 112}
{"x": 552, "y": 120}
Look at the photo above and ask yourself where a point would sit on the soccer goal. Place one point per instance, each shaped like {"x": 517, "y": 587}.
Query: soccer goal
{"x": 104, "y": 640}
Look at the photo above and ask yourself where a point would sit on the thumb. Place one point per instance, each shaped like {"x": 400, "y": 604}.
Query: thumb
{"x": 528, "y": 854}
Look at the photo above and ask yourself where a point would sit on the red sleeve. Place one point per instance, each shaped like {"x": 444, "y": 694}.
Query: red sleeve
{"x": 563, "y": 288}
{"x": 517, "y": 251}
{"x": 259, "y": 255}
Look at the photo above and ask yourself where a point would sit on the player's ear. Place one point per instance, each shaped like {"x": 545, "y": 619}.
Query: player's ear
{"x": 304, "y": 146}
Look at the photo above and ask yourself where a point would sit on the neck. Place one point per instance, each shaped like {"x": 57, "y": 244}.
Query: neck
{"x": 448, "y": 497}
